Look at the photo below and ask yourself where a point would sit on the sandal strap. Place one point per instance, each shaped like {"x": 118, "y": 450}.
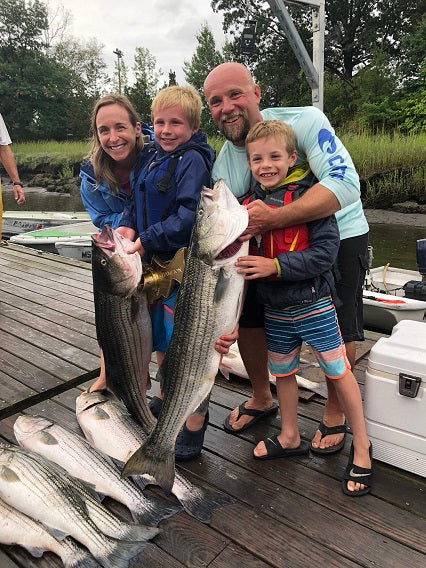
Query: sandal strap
{"x": 358, "y": 474}
{"x": 329, "y": 430}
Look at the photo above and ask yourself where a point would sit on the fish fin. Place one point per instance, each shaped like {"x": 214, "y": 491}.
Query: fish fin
{"x": 121, "y": 553}
{"x": 35, "y": 551}
{"x": 154, "y": 511}
{"x": 221, "y": 286}
{"x": 47, "y": 439}
{"x": 140, "y": 481}
{"x": 199, "y": 502}
{"x": 101, "y": 414}
{"x": 60, "y": 535}
{"x": 161, "y": 468}
{"x": 8, "y": 474}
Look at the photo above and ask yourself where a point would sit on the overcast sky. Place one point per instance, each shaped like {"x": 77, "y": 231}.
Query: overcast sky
{"x": 166, "y": 27}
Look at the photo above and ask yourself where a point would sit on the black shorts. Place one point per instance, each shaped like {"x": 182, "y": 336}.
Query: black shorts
{"x": 352, "y": 265}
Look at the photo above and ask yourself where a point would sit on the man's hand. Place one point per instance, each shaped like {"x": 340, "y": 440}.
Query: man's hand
{"x": 256, "y": 267}
{"x": 261, "y": 217}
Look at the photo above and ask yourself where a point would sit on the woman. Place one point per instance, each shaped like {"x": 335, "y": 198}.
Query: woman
{"x": 107, "y": 176}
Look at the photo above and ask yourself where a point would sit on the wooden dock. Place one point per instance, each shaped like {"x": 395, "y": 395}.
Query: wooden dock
{"x": 287, "y": 513}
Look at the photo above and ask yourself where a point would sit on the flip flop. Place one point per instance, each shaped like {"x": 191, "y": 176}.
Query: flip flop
{"x": 275, "y": 450}
{"x": 327, "y": 431}
{"x": 257, "y": 415}
{"x": 357, "y": 474}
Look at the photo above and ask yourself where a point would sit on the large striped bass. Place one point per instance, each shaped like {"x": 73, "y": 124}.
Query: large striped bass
{"x": 123, "y": 323}
{"x": 108, "y": 426}
{"x": 208, "y": 306}
{"x": 81, "y": 460}
{"x": 37, "y": 490}
{"x": 17, "y": 528}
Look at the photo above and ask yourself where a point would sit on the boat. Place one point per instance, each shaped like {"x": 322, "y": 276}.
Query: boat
{"x": 47, "y": 239}
{"x": 17, "y": 222}
{"x": 393, "y": 294}
{"x": 78, "y": 249}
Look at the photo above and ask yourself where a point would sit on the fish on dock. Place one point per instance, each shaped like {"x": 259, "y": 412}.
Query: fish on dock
{"x": 123, "y": 323}
{"x": 36, "y": 489}
{"x": 108, "y": 426}
{"x": 19, "y": 529}
{"x": 208, "y": 305}
{"x": 83, "y": 461}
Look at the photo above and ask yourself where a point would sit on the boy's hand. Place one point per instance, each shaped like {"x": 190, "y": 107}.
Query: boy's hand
{"x": 225, "y": 341}
{"x": 256, "y": 267}
{"x": 126, "y": 232}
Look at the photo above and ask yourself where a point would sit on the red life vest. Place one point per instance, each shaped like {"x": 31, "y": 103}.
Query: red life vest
{"x": 281, "y": 240}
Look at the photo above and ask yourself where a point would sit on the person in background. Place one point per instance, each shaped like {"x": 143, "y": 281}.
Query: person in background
{"x": 8, "y": 160}
{"x": 108, "y": 174}
{"x": 293, "y": 274}
{"x": 233, "y": 99}
{"x": 162, "y": 216}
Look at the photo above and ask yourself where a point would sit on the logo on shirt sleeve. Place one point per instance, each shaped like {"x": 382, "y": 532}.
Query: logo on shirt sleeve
{"x": 327, "y": 144}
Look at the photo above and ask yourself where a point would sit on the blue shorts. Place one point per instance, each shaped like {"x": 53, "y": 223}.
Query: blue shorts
{"x": 162, "y": 312}
{"x": 317, "y": 325}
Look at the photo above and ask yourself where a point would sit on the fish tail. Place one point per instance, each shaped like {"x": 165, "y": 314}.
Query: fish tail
{"x": 153, "y": 511}
{"x": 81, "y": 559}
{"x": 139, "y": 532}
{"x": 199, "y": 502}
{"x": 161, "y": 467}
{"x": 120, "y": 553}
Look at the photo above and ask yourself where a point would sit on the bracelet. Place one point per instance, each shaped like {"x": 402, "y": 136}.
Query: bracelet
{"x": 17, "y": 183}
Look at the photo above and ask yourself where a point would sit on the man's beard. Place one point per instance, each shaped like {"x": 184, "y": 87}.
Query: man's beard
{"x": 236, "y": 133}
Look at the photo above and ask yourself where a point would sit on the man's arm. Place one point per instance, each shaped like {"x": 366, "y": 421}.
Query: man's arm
{"x": 316, "y": 203}
{"x": 8, "y": 160}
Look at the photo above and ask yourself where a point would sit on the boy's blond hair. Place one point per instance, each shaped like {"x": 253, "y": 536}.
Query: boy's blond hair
{"x": 187, "y": 98}
{"x": 272, "y": 129}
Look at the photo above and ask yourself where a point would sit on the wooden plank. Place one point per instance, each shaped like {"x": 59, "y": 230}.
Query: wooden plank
{"x": 43, "y": 284}
{"x": 11, "y": 250}
{"x": 56, "y": 274}
{"x": 55, "y": 347}
{"x": 47, "y": 313}
{"x": 55, "y": 330}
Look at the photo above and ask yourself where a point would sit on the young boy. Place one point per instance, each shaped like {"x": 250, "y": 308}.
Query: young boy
{"x": 295, "y": 282}
{"x": 174, "y": 169}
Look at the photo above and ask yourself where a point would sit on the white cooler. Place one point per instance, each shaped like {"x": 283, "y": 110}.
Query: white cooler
{"x": 395, "y": 397}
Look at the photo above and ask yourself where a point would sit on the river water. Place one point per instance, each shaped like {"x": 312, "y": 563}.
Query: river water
{"x": 393, "y": 240}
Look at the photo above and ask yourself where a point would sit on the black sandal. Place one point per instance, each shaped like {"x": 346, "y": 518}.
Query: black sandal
{"x": 328, "y": 431}
{"x": 358, "y": 474}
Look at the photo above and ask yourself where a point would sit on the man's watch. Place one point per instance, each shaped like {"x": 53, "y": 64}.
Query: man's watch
{"x": 17, "y": 183}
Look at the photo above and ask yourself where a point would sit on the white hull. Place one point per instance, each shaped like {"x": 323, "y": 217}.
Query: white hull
{"x": 76, "y": 249}
{"x": 383, "y": 298}
{"x": 18, "y": 222}
{"x": 46, "y": 239}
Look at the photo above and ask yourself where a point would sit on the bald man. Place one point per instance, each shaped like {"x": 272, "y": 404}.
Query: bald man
{"x": 234, "y": 99}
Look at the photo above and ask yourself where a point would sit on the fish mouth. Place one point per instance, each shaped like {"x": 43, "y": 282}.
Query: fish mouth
{"x": 230, "y": 251}
{"x": 105, "y": 239}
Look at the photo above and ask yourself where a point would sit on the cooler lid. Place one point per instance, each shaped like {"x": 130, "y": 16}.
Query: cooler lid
{"x": 404, "y": 351}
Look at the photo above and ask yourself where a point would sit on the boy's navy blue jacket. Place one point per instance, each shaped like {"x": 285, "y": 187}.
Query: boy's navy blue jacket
{"x": 166, "y": 193}
{"x": 306, "y": 275}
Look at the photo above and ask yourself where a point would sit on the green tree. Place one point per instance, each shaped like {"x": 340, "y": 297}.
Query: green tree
{"x": 145, "y": 87}
{"x": 206, "y": 57}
